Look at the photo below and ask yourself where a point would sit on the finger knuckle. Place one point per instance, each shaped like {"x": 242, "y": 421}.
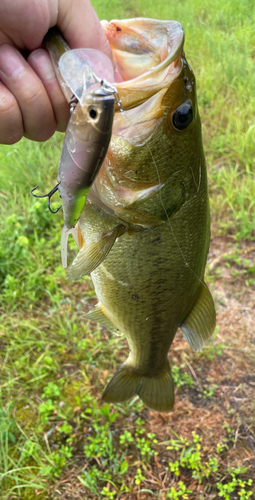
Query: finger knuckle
{"x": 11, "y": 128}
{"x": 34, "y": 96}
{"x": 8, "y": 104}
{"x": 11, "y": 139}
{"x": 10, "y": 134}
{"x": 44, "y": 135}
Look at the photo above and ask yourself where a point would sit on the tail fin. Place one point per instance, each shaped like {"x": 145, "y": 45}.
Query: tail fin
{"x": 156, "y": 392}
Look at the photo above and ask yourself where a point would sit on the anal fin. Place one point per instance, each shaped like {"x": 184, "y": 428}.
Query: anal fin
{"x": 92, "y": 254}
{"x": 199, "y": 325}
{"x": 81, "y": 241}
{"x": 97, "y": 314}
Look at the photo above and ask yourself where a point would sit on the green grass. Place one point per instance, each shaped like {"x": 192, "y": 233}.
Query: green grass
{"x": 54, "y": 429}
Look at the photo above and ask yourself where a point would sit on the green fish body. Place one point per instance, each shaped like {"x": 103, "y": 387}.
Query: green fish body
{"x": 145, "y": 229}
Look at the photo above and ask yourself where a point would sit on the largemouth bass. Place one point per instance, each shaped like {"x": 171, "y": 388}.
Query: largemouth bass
{"x": 144, "y": 231}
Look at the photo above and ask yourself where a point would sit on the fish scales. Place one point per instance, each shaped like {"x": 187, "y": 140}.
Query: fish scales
{"x": 145, "y": 228}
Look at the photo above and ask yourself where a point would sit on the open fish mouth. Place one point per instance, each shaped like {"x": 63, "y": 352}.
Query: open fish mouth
{"x": 147, "y": 55}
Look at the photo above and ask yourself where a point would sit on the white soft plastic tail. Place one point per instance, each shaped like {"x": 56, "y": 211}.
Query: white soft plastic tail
{"x": 64, "y": 239}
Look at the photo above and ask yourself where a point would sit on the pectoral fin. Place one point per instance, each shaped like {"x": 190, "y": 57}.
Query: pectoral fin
{"x": 200, "y": 323}
{"x": 92, "y": 254}
{"x": 97, "y": 314}
{"x": 138, "y": 217}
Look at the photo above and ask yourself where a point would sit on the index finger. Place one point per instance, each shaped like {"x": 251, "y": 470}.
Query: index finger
{"x": 81, "y": 26}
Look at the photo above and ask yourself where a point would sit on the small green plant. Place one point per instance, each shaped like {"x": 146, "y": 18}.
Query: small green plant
{"x": 93, "y": 477}
{"x": 208, "y": 390}
{"x": 191, "y": 458}
{"x": 65, "y": 428}
{"x": 144, "y": 443}
{"x": 100, "y": 444}
{"x": 46, "y": 409}
{"x": 126, "y": 438}
{"x": 236, "y": 485}
{"x": 222, "y": 446}
{"x": 139, "y": 477}
{"x": 179, "y": 491}
{"x": 106, "y": 411}
{"x": 230, "y": 432}
{"x": 145, "y": 446}
{"x": 180, "y": 377}
{"x": 175, "y": 467}
{"x": 57, "y": 461}
{"x": 106, "y": 493}
{"x": 52, "y": 390}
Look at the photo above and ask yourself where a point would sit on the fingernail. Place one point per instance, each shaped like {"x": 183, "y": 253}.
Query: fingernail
{"x": 42, "y": 64}
{"x": 10, "y": 61}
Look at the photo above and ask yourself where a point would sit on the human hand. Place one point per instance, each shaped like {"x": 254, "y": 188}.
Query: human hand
{"x": 31, "y": 101}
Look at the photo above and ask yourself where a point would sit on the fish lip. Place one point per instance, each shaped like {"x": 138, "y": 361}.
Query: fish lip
{"x": 175, "y": 31}
{"x": 152, "y": 72}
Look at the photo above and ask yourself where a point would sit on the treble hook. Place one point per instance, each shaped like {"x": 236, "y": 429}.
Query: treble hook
{"x": 72, "y": 104}
{"x": 48, "y": 195}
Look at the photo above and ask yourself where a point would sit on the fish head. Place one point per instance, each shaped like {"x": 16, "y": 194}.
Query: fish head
{"x": 160, "y": 129}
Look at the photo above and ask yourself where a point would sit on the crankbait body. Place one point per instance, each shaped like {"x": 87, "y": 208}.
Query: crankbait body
{"x": 86, "y": 77}
{"x": 86, "y": 142}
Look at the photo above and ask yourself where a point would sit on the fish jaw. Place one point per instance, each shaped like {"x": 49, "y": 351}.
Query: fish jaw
{"x": 142, "y": 46}
{"x": 144, "y": 52}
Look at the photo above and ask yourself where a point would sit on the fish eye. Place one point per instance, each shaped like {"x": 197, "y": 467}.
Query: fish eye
{"x": 182, "y": 116}
{"x": 93, "y": 113}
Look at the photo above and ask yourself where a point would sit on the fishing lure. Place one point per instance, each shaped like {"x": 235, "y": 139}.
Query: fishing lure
{"x": 88, "y": 132}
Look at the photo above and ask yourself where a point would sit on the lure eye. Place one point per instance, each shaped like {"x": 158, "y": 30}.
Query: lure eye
{"x": 182, "y": 116}
{"x": 93, "y": 113}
